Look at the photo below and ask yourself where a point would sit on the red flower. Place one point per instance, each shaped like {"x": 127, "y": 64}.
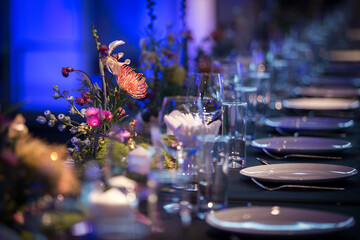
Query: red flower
{"x": 84, "y": 96}
{"x": 103, "y": 49}
{"x": 65, "y": 71}
{"x": 79, "y": 101}
{"x": 131, "y": 82}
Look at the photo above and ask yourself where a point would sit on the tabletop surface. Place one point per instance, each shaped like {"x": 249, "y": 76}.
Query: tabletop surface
{"x": 243, "y": 192}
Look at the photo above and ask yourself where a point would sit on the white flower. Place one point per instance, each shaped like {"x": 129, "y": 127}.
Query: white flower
{"x": 112, "y": 63}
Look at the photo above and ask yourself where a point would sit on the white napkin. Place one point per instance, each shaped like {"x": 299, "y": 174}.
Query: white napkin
{"x": 186, "y": 128}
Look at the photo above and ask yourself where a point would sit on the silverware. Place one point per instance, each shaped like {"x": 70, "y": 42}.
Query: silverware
{"x": 299, "y": 156}
{"x": 263, "y": 161}
{"x": 294, "y": 186}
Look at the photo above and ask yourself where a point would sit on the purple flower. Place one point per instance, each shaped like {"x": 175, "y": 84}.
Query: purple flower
{"x": 61, "y": 127}
{"x": 61, "y": 116}
{"x": 75, "y": 141}
{"x": 41, "y": 119}
{"x": 47, "y": 113}
{"x": 123, "y": 135}
{"x": 51, "y": 123}
{"x": 73, "y": 130}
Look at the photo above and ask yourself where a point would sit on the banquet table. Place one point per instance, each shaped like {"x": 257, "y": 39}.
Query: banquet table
{"x": 243, "y": 192}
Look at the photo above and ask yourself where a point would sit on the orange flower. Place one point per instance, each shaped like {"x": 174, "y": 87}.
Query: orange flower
{"x": 131, "y": 82}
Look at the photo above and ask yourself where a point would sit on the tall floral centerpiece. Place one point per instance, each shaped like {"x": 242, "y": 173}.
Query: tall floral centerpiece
{"x": 163, "y": 60}
{"x": 97, "y": 109}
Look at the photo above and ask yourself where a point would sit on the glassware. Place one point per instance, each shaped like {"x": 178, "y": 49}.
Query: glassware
{"x": 179, "y": 124}
{"x": 230, "y": 70}
{"x": 209, "y": 88}
{"x": 234, "y": 126}
{"x": 213, "y": 155}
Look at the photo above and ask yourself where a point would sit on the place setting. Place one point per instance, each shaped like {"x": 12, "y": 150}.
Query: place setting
{"x": 211, "y": 120}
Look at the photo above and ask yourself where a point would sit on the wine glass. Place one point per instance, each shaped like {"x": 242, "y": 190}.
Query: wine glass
{"x": 230, "y": 70}
{"x": 208, "y": 87}
{"x": 179, "y": 125}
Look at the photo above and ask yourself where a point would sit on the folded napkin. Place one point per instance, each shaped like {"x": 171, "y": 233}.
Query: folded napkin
{"x": 186, "y": 127}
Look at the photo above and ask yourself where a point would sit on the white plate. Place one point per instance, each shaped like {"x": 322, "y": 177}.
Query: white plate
{"x": 276, "y": 220}
{"x": 331, "y": 92}
{"x": 337, "y": 81}
{"x": 321, "y": 103}
{"x": 304, "y": 123}
{"x": 344, "y": 56}
{"x": 305, "y": 145}
{"x": 298, "y": 172}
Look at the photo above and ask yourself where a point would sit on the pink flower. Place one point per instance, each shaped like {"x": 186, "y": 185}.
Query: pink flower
{"x": 123, "y": 135}
{"x": 121, "y": 112}
{"x": 105, "y": 115}
{"x": 94, "y": 121}
{"x": 92, "y": 111}
{"x": 131, "y": 82}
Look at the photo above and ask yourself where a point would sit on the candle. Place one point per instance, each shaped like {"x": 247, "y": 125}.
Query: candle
{"x": 139, "y": 161}
{"x": 110, "y": 204}
{"x": 123, "y": 183}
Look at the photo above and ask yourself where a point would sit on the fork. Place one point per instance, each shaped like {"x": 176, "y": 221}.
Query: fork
{"x": 299, "y": 156}
{"x": 294, "y": 186}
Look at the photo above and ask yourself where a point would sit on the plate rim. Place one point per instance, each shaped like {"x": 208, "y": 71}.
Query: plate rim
{"x": 346, "y": 145}
{"x": 350, "y": 219}
{"x": 306, "y": 92}
{"x": 313, "y": 180}
{"x": 353, "y": 105}
{"x": 345, "y": 124}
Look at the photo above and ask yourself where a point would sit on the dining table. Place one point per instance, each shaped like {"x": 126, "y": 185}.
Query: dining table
{"x": 243, "y": 192}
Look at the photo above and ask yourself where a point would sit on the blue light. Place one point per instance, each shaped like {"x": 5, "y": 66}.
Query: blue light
{"x": 47, "y": 35}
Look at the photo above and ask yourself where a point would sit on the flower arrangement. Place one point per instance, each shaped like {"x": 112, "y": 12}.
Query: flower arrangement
{"x": 163, "y": 61}
{"x": 30, "y": 169}
{"x": 99, "y": 108}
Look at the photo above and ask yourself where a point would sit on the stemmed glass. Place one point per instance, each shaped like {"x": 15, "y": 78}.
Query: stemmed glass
{"x": 179, "y": 125}
{"x": 231, "y": 72}
{"x": 208, "y": 87}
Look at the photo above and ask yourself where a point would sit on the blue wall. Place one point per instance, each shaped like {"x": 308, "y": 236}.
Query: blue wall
{"x": 47, "y": 35}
